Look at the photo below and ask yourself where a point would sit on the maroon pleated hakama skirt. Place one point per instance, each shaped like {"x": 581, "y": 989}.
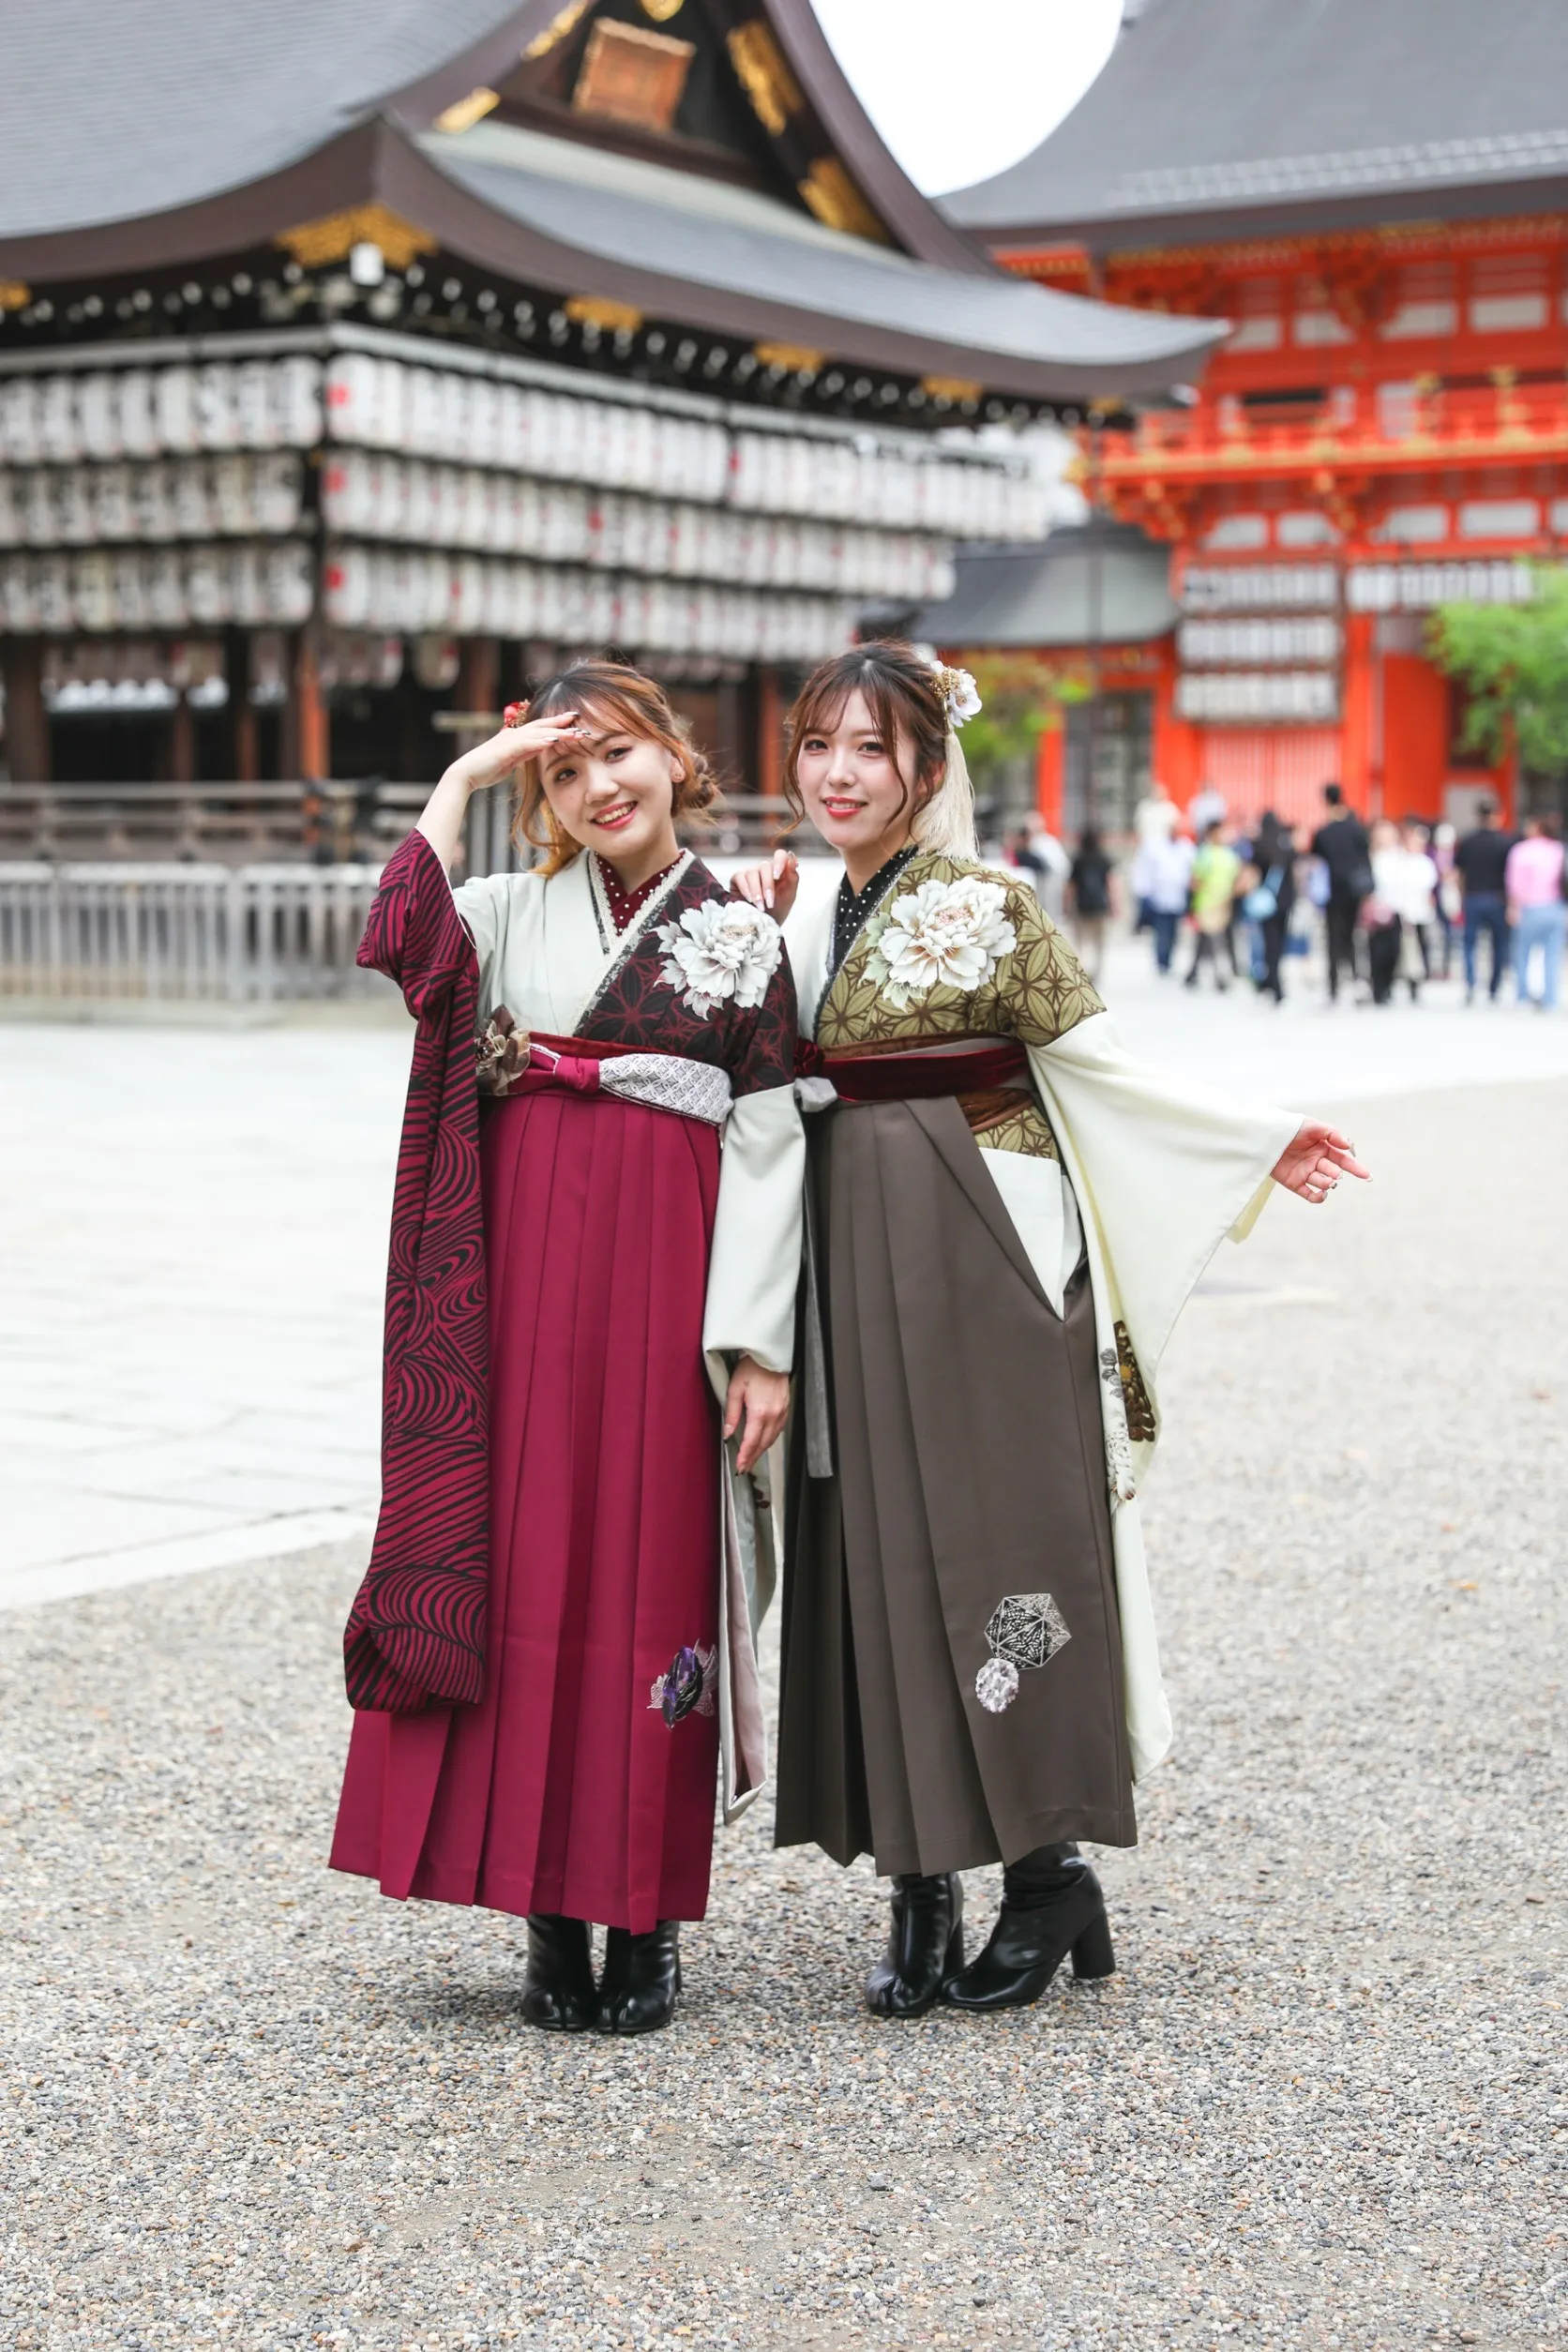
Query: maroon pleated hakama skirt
{"x": 564, "y": 1789}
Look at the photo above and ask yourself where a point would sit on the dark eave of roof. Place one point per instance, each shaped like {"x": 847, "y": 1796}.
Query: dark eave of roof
{"x": 654, "y": 243}
{"x": 1046, "y": 595}
{"x": 1224, "y": 118}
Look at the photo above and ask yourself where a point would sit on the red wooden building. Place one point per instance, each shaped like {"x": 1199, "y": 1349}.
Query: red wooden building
{"x": 1373, "y": 191}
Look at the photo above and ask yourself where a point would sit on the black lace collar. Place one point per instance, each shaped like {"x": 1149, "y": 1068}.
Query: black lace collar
{"x": 855, "y": 906}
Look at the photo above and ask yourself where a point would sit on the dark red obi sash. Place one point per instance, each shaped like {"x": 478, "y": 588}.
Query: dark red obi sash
{"x": 918, "y": 1076}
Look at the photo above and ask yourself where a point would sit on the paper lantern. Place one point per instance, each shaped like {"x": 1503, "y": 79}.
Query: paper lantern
{"x": 59, "y": 433}
{"x": 392, "y": 423}
{"x": 207, "y": 585}
{"x": 137, "y": 404}
{"x": 351, "y": 394}
{"x": 481, "y": 441}
{"x": 346, "y": 586}
{"x": 73, "y": 506}
{"x": 195, "y": 508}
{"x": 38, "y": 526}
{"x": 436, "y": 662}
{"x": 174, "y": 405}
{"x": 298, "y": 405}
{"x": 511, "y": 427}
{"x": 569, "y": 437}
{"x": 11, "y": 532}
{"x": 215, "y": 407}
{"x": 98, "y": 413}
{"x": 152, "y": 498}
{"x": 234, "y": 495}
{"x": 277, "y": 489}
{"x": 19, "y": 421}
{"x": 129, "y": 588}
{"x": 167, "y": 608}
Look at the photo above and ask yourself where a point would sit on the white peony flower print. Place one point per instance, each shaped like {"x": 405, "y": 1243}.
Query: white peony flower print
{"x": 949, "y": 934}
{"x": 722, "y": 952}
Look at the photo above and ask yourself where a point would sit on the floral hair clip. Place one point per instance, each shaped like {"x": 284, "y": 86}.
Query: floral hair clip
{"x": 959, "y": 692}
{"x": 515, "y": 715}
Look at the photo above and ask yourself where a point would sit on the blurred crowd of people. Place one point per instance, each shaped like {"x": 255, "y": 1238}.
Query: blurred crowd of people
{"x": 1393, "y": 903}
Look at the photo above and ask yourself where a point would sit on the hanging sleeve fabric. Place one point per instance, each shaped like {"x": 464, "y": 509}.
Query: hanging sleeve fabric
{"x": 415, "y": 1635}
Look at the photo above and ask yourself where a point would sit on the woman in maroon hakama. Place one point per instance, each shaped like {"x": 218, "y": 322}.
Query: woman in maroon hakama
{"x": 578, "y": 1785}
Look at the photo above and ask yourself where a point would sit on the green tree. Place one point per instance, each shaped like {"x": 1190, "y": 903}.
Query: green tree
{"x": 1020, "y": 701}
{"x": 1512, "y": 660}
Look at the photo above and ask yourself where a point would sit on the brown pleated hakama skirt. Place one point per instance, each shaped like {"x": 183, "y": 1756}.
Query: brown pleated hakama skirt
{"x": 969, "y": 1468}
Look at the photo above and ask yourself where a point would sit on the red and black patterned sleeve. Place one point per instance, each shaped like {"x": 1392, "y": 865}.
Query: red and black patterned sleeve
{"x": 763, "y": 1044}
{"x": 413, "y": 933}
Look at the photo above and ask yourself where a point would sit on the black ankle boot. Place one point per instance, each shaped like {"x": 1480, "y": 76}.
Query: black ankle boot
{"x": 558, "y": 1988}
{"x": 925, "y": 1943}
{"x": 1051, "y": 1905}
{"x": 640, "y": 1980}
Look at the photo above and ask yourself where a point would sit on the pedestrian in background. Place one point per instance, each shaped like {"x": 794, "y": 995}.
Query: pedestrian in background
{"x": 1419, "y": 886}
{"x": 1533, "y": 884}
{"x": 1161, "y": 879}
{"x": 1089, "y": 898}
{"x": 1449, "y": 902}
{"x": 1380, "y": 915}
{"x": 1216, "y": 871}
{"x": 1341, "y": 842}
{"x": 1270, "y": 899}
{"x": 1480, "y": 862}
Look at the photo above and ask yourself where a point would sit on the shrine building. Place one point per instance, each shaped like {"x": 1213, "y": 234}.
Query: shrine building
{"x": 1372, "y": 193}
{"x": 355, "y": 368}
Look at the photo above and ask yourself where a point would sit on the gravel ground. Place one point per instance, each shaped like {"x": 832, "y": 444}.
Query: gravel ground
{"x": 1320, "y": 2104}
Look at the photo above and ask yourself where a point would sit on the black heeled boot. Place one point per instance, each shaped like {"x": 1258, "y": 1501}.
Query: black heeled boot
{"x": 1051, "y": 1904}
{"x": 558, "y": 1987}
{"x": 642, "y": 1978}
{"x": 925, "y": 1943}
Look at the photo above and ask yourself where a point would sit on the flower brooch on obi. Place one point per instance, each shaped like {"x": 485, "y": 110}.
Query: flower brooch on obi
{"x": 1027, "y": 1629}
{"x": 722, "y": 952}
{"x": 689, "y": 1688}
{"x": 501, "y": 1053}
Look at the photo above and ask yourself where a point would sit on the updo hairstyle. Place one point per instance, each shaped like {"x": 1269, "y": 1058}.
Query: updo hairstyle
{"x": 612, "y": 698}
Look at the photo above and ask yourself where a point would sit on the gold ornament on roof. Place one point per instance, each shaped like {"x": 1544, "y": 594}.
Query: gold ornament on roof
{"x": 774, "y": 92}
{"x": 662, "y": 10}
{"x": 466, "y": 112}
{"x": 556, "y": 30}
{"x": 796, "y": 359}
{"x": 314, "y": 243}
{"x": 832, "y": 196}
{"x": 615, "y": 318}
{"x": 14, "y": 294}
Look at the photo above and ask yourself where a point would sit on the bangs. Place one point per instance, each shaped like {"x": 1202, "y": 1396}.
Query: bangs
{"x": 823, "y": 705}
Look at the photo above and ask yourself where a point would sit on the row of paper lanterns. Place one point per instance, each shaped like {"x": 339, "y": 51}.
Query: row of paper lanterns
{"x": 252, "y": 583}
{"x": 1299, "y": 695}
{"x": 396, "y": 589}
{"x": 369, "y": 495}
{"x": 171, "y": 498}
{"x": 365, "y": 401}
{"x": 258, "y": 583}
{"x": 1305, "y": 638}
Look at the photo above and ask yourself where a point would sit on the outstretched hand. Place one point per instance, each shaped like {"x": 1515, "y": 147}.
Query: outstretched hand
{"x": 1314, "y": 1161}
{"x": 761, "y": 1399}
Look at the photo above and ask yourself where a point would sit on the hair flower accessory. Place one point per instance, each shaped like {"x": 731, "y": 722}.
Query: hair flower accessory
{"x": 959, "y": 692}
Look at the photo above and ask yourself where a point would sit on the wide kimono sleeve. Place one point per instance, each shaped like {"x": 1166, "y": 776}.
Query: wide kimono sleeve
{"x": 754, "y": 1268}
{"x": 415, "y": 1635}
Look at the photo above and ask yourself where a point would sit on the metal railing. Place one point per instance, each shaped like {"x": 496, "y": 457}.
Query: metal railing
{"x": 182, "y": 933}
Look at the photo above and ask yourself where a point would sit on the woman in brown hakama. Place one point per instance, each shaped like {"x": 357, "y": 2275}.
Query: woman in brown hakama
{"x": 1005, "y": 1212}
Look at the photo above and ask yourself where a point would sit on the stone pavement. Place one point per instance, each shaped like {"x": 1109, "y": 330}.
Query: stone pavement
{"x": 1321, "y": 2105}
{"x": 195, "y": 1225}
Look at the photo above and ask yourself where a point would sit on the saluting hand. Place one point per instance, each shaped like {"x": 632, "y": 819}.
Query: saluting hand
{"x": 493, "y": 761}
{"x": 1312, "y": 1163}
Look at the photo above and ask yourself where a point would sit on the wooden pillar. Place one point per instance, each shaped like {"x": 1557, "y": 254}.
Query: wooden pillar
{"x": 308, "y": 728}
{"x": 1049, "y": 773}
{"x": 242, "y": 711}
{"x": 1361, "y": 756}
{"x": 479, "y": 676}
{"x": 1176, "y": 751}
{"x": 28, "y": 746}
{"x": 182, "y": 741}
{"x": 768, "y": 768}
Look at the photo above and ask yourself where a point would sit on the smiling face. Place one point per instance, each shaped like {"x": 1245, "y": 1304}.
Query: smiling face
{"x": 858, "y": 786}
{"x": 615, "y": 794}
